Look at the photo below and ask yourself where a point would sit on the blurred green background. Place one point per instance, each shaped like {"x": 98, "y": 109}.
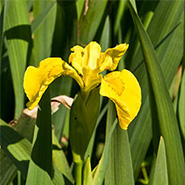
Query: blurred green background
{"x": 31, "y": 30}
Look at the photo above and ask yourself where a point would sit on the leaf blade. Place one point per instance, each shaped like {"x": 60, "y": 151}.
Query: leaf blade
{"x": 167, "y": 120}
{"x": 17, "y": 36}
{"x": 160, "y": 172}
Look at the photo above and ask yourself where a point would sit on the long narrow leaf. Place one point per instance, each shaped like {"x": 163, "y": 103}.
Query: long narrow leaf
{"x": 170, "y": 49}
{"x": 161, "y": 173}
{"x": 167, "y": 120}
{"x": 181, "y": 108}
{"x": 101, "y": 168}
{"x": 18, "y": 35}
{"x": 119, "y": 155}
{"x": 90, "y": 20}
{"x": 43, "y": 35}
{"x": 40, "y": 167}
{"x": 42, "y": 17}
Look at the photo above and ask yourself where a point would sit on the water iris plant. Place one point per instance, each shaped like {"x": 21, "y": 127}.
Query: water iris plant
{"x": 87, "y": 64}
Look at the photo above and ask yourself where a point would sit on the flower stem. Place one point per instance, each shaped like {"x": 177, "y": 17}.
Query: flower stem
{"x": 78, "y": 172}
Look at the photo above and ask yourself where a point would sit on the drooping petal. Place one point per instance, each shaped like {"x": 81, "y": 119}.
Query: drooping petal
{"x": 112, "y": 57}
{"x": 124, "y": 90}
{"x": 36, "y": 80}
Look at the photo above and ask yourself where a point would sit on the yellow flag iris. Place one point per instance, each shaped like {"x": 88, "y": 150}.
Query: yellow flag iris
{"x": 121, "y": 87}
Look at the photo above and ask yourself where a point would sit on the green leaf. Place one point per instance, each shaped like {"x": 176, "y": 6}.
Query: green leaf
{"x": 61, "y": 85}
{"x": 80, "y": 6}
{"x": 16, "y": 147}
{"x": 60, "y": 161}
{"x": 18, "y": 35}
{"x": 90, "y": 20}
{"x": 152, "y": 171}
{"x": 133, "y": 3}
{"x": 121, "y": 8}
{"x": 64, "y": 37}
{"x": 37, "y": 175}
{"x": 140, "y": 136}
{"x": 8, "y": 169}
{"x": 44, "y": 33}
{"x": 83, "y": 117}
{"x": 1, "y": 27}
{"x": 65, "y": 33}
{"x": 87, "y": 174}
{"x": 1, "y": 6}
{"x": 166, "y": 17}
{"x": 169, "y": 51}
{"x": 6, "y": 91}
{"x": 92, "y": 140}
{"x": 167, "y": 120}
{"x": 181, "y": 108}
{"x": 119, "y": 155}
{"x": 42, "y": 17}
{"x": 24, "y": 126}
{"x": 105, "y": 37}
{"x": 161, "y": 173}
{"x": 101, "y": 168}
{"x": 40, "y": 167}
{"x": 18, "y": 150}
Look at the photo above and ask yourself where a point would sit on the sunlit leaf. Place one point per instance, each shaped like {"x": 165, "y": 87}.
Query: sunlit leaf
{"x": 161, "y": 173}
{"x": 18, "y": 36}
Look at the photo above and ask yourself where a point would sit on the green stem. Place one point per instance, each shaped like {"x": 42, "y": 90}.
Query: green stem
{"x": 78, "y": 172}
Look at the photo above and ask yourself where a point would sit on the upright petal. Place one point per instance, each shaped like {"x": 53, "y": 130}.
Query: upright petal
{"x": 85, "y": 57}
{"x": 124, "y": 90}
{"x": 36, "y": 80}
{"x": 91, "y": 55}
{"x": 112, "y": 57}
{"x": 76, "y": 58}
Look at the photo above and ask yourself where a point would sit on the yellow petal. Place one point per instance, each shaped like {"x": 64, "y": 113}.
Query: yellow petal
{"x": 85, "y": 57}
{"x": 91, "y": 55}
{"x": 36, "y": 80}
{"x": 124, "y": 90}
{"x": 91, "y": 78}
{"x": 75, "y": 59}
{"x": 112, "y": 57}
{"x": 85, "y": 61}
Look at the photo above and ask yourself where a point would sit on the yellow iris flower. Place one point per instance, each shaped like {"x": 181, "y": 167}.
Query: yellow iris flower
{"x": 121, "y": 87}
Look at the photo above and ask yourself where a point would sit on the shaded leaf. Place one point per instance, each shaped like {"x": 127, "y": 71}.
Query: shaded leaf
{"x": 42, "y": 148}
{"x": 8, "y": 169}
{"x": 83, "y": 118}
{"x": 100, "y": 169}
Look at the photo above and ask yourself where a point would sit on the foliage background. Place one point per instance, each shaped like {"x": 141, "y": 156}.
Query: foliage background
{"x": 31, "y": 30}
